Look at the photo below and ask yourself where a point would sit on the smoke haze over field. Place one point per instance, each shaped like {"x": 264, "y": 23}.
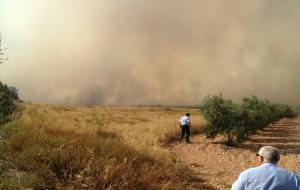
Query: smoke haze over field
{"x": 151, "y": 52}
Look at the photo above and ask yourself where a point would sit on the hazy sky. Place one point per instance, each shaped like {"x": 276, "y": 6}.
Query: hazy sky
{"x": 120, "y": 52}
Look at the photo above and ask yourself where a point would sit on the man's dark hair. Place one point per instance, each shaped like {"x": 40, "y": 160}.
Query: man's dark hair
{"x": 188, "y": 114}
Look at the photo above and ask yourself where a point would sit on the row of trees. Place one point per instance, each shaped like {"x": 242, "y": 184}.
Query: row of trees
{"x": 237, "y": 121}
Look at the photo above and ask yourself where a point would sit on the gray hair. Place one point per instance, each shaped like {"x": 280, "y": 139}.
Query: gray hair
{"x": 270, "y": 154}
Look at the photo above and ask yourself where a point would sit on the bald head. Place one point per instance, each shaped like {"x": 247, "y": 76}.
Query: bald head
{"x": 270, "y": 154}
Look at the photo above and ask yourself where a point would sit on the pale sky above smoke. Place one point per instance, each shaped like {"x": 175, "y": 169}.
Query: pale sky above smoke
{"x": 120, "y": 52}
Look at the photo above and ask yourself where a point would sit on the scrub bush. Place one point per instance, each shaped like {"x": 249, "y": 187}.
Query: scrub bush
{"x": 7, "y": 105}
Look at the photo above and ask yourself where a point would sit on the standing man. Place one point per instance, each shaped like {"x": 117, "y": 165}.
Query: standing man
{"x": 267, "y": 176}
{"x": 185, "y": 125}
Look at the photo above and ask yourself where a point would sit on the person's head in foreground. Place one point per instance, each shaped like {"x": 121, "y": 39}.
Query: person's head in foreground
{"x": 267, "y": 176}
{"x": 268, "y": 154}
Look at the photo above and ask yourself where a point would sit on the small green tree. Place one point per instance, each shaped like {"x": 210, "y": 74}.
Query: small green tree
{"x": 257, "y": 113}
{"x": 7, "y": 105}
{"x": 221, "y": 116}
{"x": 14, "y": 92}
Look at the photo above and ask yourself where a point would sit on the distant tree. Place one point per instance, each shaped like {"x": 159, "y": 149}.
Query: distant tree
{"x": 7, "y": 95}
{"x": 14, "y": 92}
{"x": 1, "y": 51}
{"x": 7, "y": 105}
{"x": 297, "y": 109}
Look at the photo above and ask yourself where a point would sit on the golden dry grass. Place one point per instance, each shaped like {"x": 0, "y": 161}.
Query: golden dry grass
{"x": 63, "y": 147}
{"x": 135, "y": 137}
{"x": 143, "y": 128}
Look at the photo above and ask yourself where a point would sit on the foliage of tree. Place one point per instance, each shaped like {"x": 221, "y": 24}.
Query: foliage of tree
{"x": 13, "y": 92}
{"x": 237, "y": 121}
{"x": 7, "y": 105}
{"x": 7, "y": 95}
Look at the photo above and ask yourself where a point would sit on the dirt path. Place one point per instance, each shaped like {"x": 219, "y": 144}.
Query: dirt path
{"x": 220, "y": 165}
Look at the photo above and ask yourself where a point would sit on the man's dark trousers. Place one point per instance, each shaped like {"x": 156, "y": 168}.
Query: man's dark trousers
{"x": 185, "y": 129}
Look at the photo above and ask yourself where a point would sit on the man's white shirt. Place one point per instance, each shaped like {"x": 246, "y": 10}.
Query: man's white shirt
{"x": 267, "y": 177}
{"x": 184, "y": 120}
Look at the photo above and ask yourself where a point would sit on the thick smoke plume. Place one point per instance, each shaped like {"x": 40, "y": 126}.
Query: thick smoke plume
{"x": 151, "y": 52}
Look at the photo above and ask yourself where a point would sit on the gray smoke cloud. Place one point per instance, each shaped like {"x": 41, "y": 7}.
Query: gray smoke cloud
{"x": 151, "y": 52}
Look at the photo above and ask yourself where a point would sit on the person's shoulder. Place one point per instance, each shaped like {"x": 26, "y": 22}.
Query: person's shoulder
{"x": 283, "y": 170}
{"x": 293, "y": 177}
{"x": 288, "y": 172}
{"x": 250, "y": 171}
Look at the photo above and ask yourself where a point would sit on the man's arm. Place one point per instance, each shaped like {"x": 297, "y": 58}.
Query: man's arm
{"x": 189, "y": 123}
{"x": 295, "y": 180}
{"x": 239, "y": 183}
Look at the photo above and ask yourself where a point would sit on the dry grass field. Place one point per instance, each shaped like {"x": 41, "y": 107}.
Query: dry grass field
{"x": 142, "y": 128}
{"x": 65, "y": 147}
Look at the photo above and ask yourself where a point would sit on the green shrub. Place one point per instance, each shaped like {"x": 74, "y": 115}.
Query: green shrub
{"x": 238, "y": 121}
{"x": 221, "y": 116}
{"x": 13, "y": 92}
{"x": 7, "y": 105}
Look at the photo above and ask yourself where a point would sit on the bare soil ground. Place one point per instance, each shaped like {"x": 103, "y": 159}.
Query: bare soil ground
{"x": 219, "y": 165}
